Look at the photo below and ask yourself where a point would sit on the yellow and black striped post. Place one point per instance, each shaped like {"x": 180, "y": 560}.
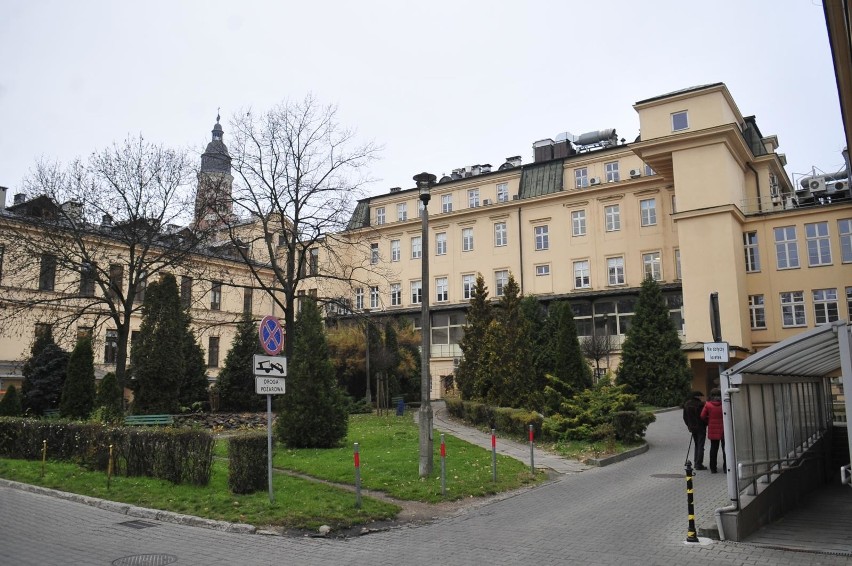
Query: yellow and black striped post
{"x": 691, "y": 535}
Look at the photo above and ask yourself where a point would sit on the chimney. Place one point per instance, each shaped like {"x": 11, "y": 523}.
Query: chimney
{"x": 486, "y": 167}
{"x": 543, "y": 150}
{"x": 74, "y": 210}
{"x": 20, "y": 198}
{"x": 514, "y": 161}
{"x": 3, "y": 198}
{"x": 106, "y": 220}
{"x": 395, "y": 189}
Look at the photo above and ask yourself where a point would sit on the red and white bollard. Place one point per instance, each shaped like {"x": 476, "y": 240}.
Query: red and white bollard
{"x": 357, "y": 478}
{"x": 443, "y": 467}
{"x": 493, "y": 456}
{"x": 532, "y": 451}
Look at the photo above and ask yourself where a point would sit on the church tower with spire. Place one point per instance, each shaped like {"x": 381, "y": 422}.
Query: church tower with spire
{"x": 213, "y": 196}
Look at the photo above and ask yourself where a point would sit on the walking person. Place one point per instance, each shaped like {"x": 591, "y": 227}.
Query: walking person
{"x": 712, "y": 415}
{"x": 692, "y": 408}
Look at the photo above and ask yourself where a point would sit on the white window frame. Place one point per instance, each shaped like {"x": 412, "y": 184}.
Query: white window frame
{"x": 472, "y": 198}
{"x": 442, "y": 292}
{"x": 652, "y": 265}
{"x": 793, "y": 309}
{"x": 416, "y": 247}
{"x": 648, "y": 211}
{"x": 502, "y": 192}
{"x": 359, "y": 298}
{"x": 786, "y": 247}
{"x": 396, "y": 294}
{"x": 678, "y": 273}
{"x": 468, "y": 284}
{"x": 649, "y": 170}
{"x": 752, "y": 252}
{"x": 380, "y": 216}
{"x": 615, "y": 270}
{"x": 612, "y": 214}
{"x": 676, "y": 116}
{"x": 467, "y": 239}
{"x": 581, "y": 177}
{"x": 578, "y": 222}
{"x": 374, "y": 253}
{"x": 844, "y": 230}
{"x": 396, "y": 250}
{"x": 447, "y": 203}
{"x": 401, "y": 212}
{"x": 826, "y": 306}
{"x": 501, "y": 236}
{"x": 819, "y": 244}
{"x": 542, "y": 237}
{"x": 757, "y": 312}
{"x": 501, "y": 279}
{"x": 416, "y": 292}
{"x": 848, "y": 303}
{"x": 582, "y": 274}
{"x": 374, "y": 297}
{"x": 542, "y": 270}
{"x": 611, "y": 171}
{"x": 441, "y": 243}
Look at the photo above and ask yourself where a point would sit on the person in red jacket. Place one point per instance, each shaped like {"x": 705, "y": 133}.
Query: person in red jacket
{"x": 712, "y": 415}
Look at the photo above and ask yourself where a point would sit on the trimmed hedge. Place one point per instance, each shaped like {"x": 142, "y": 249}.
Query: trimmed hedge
{"x": 503, "y": 419}
{"x": 176, "y": 455}
{"x": 247, "y": 463}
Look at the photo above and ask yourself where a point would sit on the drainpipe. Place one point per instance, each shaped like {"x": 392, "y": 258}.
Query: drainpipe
{"x": 757, "y": 182}
{"x": 521, "y": 250}
{"x": 728, "y": 422}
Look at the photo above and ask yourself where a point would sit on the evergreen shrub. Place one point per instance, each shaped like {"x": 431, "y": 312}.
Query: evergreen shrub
{"x": 247, "y": 463}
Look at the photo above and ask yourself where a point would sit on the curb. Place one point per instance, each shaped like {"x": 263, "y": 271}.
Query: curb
{"x": 133, "y": 511}
{"x": 601, "y": 462}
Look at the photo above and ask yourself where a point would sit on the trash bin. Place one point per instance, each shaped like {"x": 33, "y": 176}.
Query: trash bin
{"x": 400, "y": 406}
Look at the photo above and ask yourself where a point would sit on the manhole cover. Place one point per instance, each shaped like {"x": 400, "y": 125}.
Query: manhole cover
{"x": 138, "y": 524}
{"x": 668, "y": 476}
{"x": 145, "y": 560}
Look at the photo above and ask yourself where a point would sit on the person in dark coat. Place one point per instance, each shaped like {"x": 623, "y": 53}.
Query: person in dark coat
{"x": 697, "y": 427}
{"x": 712, "y": 415}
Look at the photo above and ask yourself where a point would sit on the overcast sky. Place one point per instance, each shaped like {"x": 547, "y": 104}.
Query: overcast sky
{"x": 439, "y": 84}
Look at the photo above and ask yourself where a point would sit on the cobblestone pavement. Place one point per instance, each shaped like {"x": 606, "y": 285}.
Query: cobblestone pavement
{"x": 632, "y": 512}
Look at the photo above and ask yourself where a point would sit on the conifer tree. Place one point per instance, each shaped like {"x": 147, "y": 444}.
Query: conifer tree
{"x": 109, "y": 399}
{"x": 540, "y": 338}
{"x": 10, "y": 405}
{"x": 479, "y": 315}
{"x": 78, "y": 393}
{"x": 514, "y": 372}
{"x": 653, "y": 365}
{"x": 236, "y": 380}
{"x": 312, "y": 413}
{"x": 193, "y": 387}
{"x": 44, "y": 375}
{"x": 156, "y": 360}
{"x": 569, "y": 364}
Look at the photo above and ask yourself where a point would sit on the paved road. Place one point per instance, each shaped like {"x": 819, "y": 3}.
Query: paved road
{"x": 632, "y": 512}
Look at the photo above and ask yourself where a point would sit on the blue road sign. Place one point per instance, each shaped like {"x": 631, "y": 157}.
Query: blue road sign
{"x": 271, "y": 335}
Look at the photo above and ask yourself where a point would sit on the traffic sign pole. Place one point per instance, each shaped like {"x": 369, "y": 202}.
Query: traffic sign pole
{"x": 269, "y": 444}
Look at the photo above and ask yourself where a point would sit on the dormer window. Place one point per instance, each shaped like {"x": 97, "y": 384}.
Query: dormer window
{"x": 680, "y": 121}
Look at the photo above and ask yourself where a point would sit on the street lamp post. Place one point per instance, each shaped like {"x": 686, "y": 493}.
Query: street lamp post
{"x": 424, "y": 184}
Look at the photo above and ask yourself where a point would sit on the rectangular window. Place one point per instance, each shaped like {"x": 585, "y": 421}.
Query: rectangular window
{"x": 300, "y": 300}
{"x": 396, "y": 250}
{"x": 581, "y": 178}
{"x": 473, "y": 198}
{"x": 786, "y": 247}
{"x": 420, "y": 208}
{"x": 111, "y": 347}
{"x": 757, "y": 311}
{"x": 213, "y": 352}
{"x": 648, "y": 211}
{"x": 542, "y": 238}
{"x": 380, "y": 216}
{"x": 47, "y": 273}
{"x": 613, "y": 218}
{"x": 649, "y": 170}
{"x": 447, "y": 203}
{"x": 793, "y": 309}
{"x": 185, "y": 291}
{"x": 468, "y": 283}
{"x": 416, "y": 292}
{"x": 374, "y": 297}
{"x": 313, "y": 261}
{"x": 652, "y": 266}
{"x": 582, "y": 275}
{"x": 442, "y": 293}
{"x": 825, "y": 306}
{"x": 819, "y": 250}
{"x": 441, "y": 243}
{"x": 848, "y": 303}
{"x": 542, "y": 270}
{"x": 396, "y": 294}
{"x": 844, "y": 228}
{"x": 680, "y": 121}
{"x": 752, "y": 253}
{"x": 611, "y": 170}
{"x": 500, "y": 236}
{"x": 578, "y": 222}
{"x": 467, "y": 239}
{"x": 88, "y": 273}
{"x": 678, "y": 274}
{"x": 401, "y": 212}
{"x": 141, "y": 287}
{"x": 502, "y": 192}
{"x": 615, "y": 270}
{"x": 216, "y": 296}
{"x": 501, "y": 279}
{"x": 416, "y": 248}
{"x": 116, "y": 278}
{"x": 248, "y": 299}
{"x": 359, "y": 298}
{"x": 674, "y": 204}
{"x": 374, "y": 253}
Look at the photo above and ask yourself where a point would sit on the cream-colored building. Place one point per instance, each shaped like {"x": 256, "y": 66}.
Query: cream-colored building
{"x": 700, "y": 202}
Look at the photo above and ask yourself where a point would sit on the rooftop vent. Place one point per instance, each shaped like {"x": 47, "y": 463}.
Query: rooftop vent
{"x": 20, "y": 198}
{"x": 395, "y": 189}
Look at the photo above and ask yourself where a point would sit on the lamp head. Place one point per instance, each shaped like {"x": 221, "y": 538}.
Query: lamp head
{"x": 424, "y": 185}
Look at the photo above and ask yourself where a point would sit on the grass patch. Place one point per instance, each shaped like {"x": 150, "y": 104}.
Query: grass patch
{"x": 582, "y": 450}
{"x": 299, "y": 504}
{"x": 389, "y": 450}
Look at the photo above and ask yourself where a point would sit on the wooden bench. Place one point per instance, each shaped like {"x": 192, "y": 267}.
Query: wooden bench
{"x": 148, "y": 420}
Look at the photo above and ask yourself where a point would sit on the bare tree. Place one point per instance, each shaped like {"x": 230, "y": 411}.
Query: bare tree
{"x": 92, "y": 233}
{"x": 297, "y": 173}
{"x": 597, "y": 347}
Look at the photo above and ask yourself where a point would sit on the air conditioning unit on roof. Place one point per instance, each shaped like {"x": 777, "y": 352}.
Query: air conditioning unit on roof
{"x": 817, "y": 185}
{"x": 635, "y": 173}
{"x": 595, "y": 181}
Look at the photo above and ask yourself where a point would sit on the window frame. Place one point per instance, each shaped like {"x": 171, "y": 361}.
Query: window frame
{"x": 501, "y": 279}
{"x": 467, "y": 239}
{"x": 442, "y": 289}
{"x": 473, "y": 198}
{"x": 359, "y": 298}
{"x": 844, "y": 232}
{"x": 675, "y": 116}
{"x": 541, "y": 234}
{"x": 502, "y": 192}
{"x": 441, "y": 243}
{"x": 416, "y": 247}
{"x": 111, "y": 346}
{"x": 213, "y": 351}
{"x": 447, "y": 202}
{"x": 578, "y": 223}
{"x": 819, "y": 245}
{"x": 757, "y": 312}
{"x": 380, "y": 216}
{"x": 581, "y": 177}
{"x": 542, "y": 270}
{"x": 611, "y": 172}
{"x": 793, "y": 302}
{"x": 786, "y": 247}
{"x": 581, "y": 269}
{"x": 468, "y": 285}
{"x": 615, "y": 271}
{"x": 401, "y": 211}
{"x": 47, "y": 273}
{"x": 374, "y": 297}
{"x": 648, "y": 212}
{"x": 396, "y": 294}
{"x": 215, "y": 296}
{"x": 396, "y": 250}
{"x": 612, "y": 217}
{"x": 652, "y": 264}
{"x": 826, "y": 306}
{"x": 751, "y": 249}
{"x": 374, "y": 253}
{"x": 416, "y": 285}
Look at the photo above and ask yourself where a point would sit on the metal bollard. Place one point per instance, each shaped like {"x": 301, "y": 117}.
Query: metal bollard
{"x": 443, "y": 467}
{"x": 691, "y": 535}
{"x": 357, "y": 478}
{"x": 43, "y": 455}
{"x": 532, "y": 451}
{"x": 493, "y": 456}
{"x": 109, "y": 466}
